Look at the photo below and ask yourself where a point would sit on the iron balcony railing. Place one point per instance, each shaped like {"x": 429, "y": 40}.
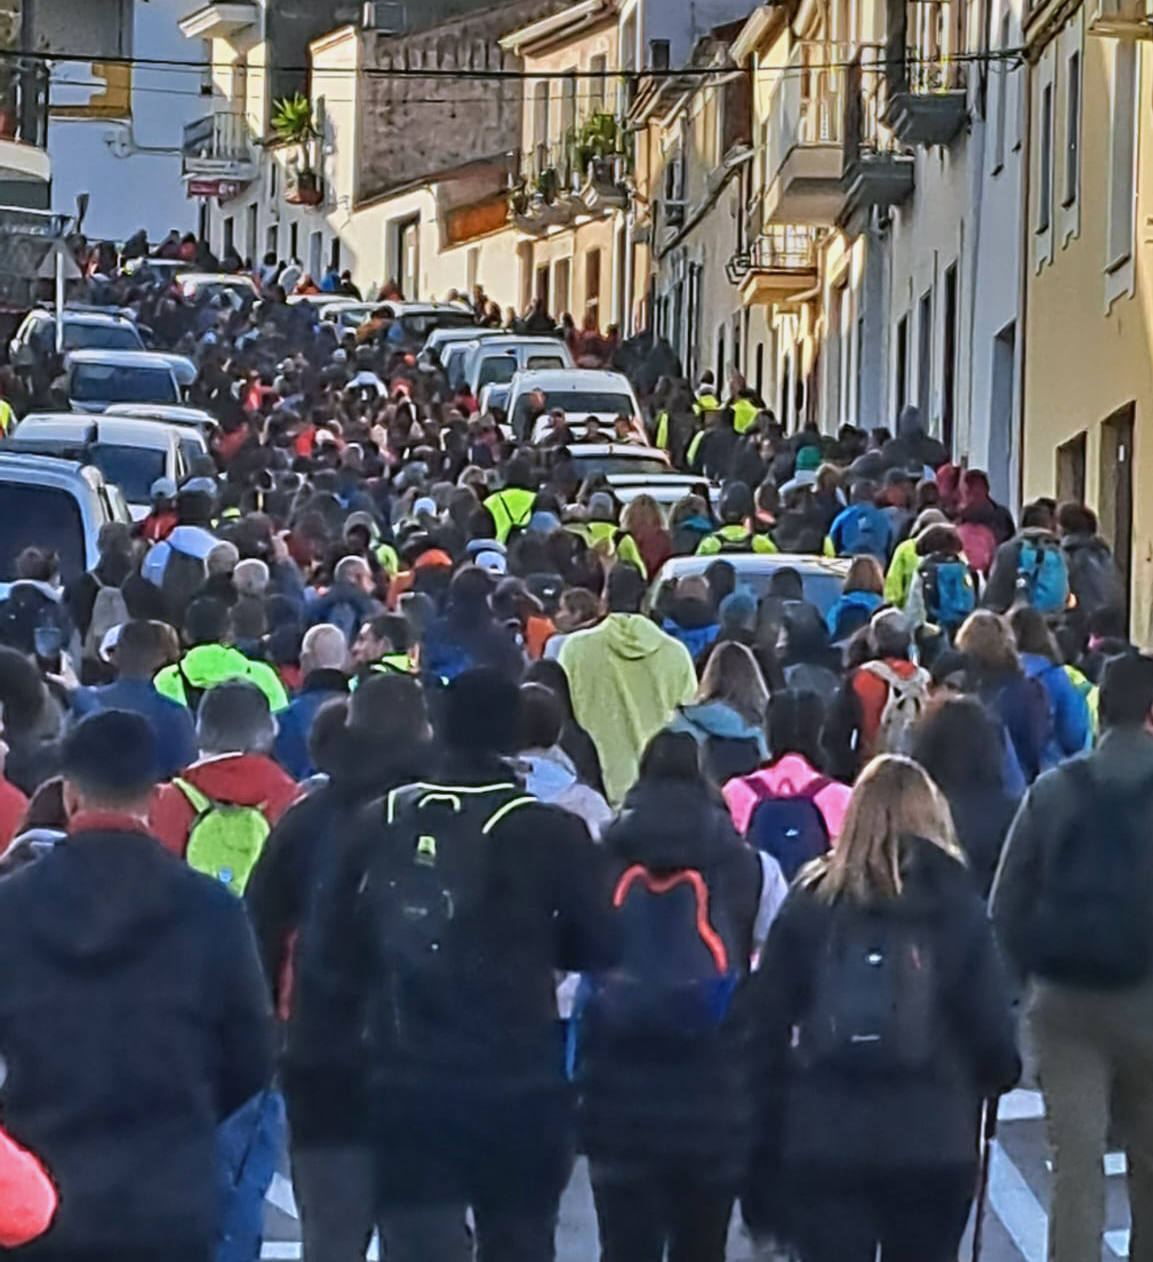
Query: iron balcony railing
{"x": 24, "y": 104}
{"x": 222, "y": 137}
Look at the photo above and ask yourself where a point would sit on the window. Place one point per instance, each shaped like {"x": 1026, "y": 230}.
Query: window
{"x": 334, "y": 255}
{"x": 759, "y": 370}
{"x": 316, "y": 255}
{"x": 562, "y": 285}
{"x": 1122, "y": 150}
{"x": 540, "y": 111}
{"x": 272, "y": 240}
{"x": 294, "y": 242}
{"x": 1001, "y": 98}
{"x": 675, "y": 179}
{"x": 1071, "y": 463}
{"x": 229, "y": 234}
{"x": 251, "y": 239}
{"x": 720, "y": 368}
{"x": 43, "y": 517}
{"x": 1045, "y": 161}
{"x": 902, "y": 367}
{"x": 925, "y": 356}
{"x": 949, "y": 359}
{"x": 408, "y": 257}
{"x": 593, "y": 283}
{"x": 1072, "y": 130}
{"x": 598, "y": 84}
{"x": 568, "y": 96}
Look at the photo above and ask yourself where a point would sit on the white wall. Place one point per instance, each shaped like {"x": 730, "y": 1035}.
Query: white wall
{"x": 138, "y": 190}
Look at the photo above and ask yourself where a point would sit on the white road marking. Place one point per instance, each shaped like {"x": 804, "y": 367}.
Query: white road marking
{"x": 1114, "y": 1164}
{"x": 280, "y": 1195}
{"x": 1021, "y": 1214}
{"x": 1021, "y": 1106}
{"x": 1118, "y": 1241}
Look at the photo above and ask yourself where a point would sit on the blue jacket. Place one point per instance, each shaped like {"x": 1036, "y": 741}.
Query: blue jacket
{"x": 295, "y": 723}
{"x": 1070, "y": 727}
{"x": 862, "y": 529}
{"x": 868, "y": 602}
{"x": 171, "y": 723}
{"x": 695, "y": 639}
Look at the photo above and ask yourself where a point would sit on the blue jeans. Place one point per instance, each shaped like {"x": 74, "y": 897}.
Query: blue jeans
{"x": 248, "y": 1149}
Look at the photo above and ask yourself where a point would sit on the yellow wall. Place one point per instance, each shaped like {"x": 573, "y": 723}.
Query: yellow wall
{"x": 1082, "y": 361}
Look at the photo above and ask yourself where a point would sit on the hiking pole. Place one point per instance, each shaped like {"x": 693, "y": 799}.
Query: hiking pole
{"x": 988, "y": 1135}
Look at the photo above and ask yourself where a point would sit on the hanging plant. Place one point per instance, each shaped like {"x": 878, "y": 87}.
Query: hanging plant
{"x": 292, "y": 122}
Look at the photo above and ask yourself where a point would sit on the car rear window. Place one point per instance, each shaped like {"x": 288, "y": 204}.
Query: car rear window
{"x": 42, "y": 517}
{"x": 108, "y": 383}
{"x": 101, "y": 337}
{"x": 132, "y": 469}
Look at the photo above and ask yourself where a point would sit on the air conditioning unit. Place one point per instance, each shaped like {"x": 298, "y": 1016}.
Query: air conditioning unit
{"x": 385, "y": 17}
{"x": 674, "y": 214}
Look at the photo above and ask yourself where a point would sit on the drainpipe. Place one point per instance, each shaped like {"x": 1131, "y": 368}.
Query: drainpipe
{"x": 1025, "y": 266}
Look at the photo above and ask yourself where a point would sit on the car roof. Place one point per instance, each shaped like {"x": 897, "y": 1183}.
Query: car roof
{"x": 73, "y": 315}
{"x": 753, "y": 562}
{"x": 462, "y": 333}
{"x": 171, "y": 413}
{"x": 31, "y": 467}
{"x": 521, "y": 339}
{"x": 80, "y": 427}
{"x": 579, "y": 378}
{"x": 122, "y": 359}
{"x": 217, "y": 278}
{"x": 618, "y": 449}
{"x": 423, "y": 308}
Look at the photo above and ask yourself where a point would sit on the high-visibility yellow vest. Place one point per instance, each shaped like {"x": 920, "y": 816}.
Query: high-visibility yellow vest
{"x": 7, "y": 417}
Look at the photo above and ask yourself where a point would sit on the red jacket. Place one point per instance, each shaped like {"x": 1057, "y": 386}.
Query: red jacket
{"x": 235, "y": 779}
{"x": 13, "y": 806}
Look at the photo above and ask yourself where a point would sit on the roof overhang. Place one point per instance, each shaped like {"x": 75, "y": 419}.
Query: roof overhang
{"x": 568, "y": 21}
{"x": 755, "y": 31}
{"x": 219, "y": 19}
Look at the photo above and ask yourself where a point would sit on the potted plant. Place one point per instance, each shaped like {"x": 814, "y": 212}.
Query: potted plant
{"x": 292, "y": 124}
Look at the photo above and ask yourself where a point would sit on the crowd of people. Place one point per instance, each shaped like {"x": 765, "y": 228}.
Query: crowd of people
{"x": 517, "y": 854}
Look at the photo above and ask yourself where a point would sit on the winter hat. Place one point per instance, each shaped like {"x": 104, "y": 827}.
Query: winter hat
{"x": 493, "y": 562}
{"x": 481, "y": 713}
{"x": 601, "y": 507}
{"x": 112, "y": 752}
{"x": 739, "y": 609}
{"x": 926, "y": 518}
{"x": 808, "y": 459}
{"x": 543, "y": 523}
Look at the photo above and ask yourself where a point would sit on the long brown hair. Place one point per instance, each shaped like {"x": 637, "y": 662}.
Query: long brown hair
{"x": 894, "y": 800}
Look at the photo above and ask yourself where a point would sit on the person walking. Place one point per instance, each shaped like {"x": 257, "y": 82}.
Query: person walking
{"x": 1073, "y": 907}
{"x": 627, "y": 678}
{"x": 433, "y": 969}
{"x": 881, "y": 1021}
{"x": 664, "y": 1107}
{"x": 134, "y": 1018}
{"x": 323, "y": 666}
{"x": 727, "y": 719}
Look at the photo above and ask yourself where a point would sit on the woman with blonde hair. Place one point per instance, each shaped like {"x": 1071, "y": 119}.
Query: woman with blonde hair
{"x": 728, "y": 717}
{"x": 863, "y": 595}
{"x": 645, "y": 523}
{"x": 882, "y": 1021}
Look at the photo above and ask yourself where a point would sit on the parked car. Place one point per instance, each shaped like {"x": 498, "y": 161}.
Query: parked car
{"x": 56, "y": 504}
{"x": 35, "y": 339}
{"x": 610, "y": 459}
{"x": 496, "y": 360}
{"x": 823, "y": 578}
{"x": 194, "y": 427}
{"x": 579, "y": 392}
{"x": 668, "y": 489}
{"x": 97, "y": 379}
{"x": 130, "y": 453}
{"x": 204, "y": 286}
{"x": 418, "y": 319}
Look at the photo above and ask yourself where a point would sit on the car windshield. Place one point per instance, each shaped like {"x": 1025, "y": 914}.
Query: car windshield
{"x": 41, "y": 517}
{"x": 587, "y": 466}
{"x": 109, "y": 383}
{"x": 544, "y": 362}
{"x": 132, "y": 469}
{"x": 822, "y": 587}
{"x": 101, "y": 337}
{"x": 498, "y": 369}
{"x": 418, "y": 327}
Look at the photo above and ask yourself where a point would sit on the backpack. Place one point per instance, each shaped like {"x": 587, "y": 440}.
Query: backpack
{"x": 788, "y": 826}
{"x": 225, "y": 839}
{"x": 108, "y": 611}
{"x": 193, "y": 694}
{"x": 1042, "y": 575}
{"x": 948, "y": 590}
{"x": 874, "y": 1005}
{"x": 742, "y": 544}
{"x": 980, "y": 544}
{"x": 677, "y": 968}
{"x": 1094, "y": 579}
{"x": 904, "y": 703}
{"x": 1091, "y": 925}
{"x": 25, "y": 609}
{"x": 431, "y": 890}
{"x": 866, "y": 534}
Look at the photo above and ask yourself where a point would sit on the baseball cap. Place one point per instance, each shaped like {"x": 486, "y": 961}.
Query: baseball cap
{"x": 491, "y": 561}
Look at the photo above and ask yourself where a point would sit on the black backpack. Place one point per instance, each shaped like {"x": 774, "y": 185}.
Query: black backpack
{"x": 25, "y": 610}
{"x": 1092, "y": 926}
{"x": 430, "y": 889}
{"x": 874, "y": 1004}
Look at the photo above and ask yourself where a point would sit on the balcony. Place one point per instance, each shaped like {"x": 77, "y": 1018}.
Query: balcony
{"x": 219, "y": 20}
{"x": 927, "y": 101}
{"x": 582, "y": 173}
{"x": 780, "y": 264}
{"x": 219, "y": 147}
{"x": 1121, "y": 19}
{"x": 878, "y": 174}
{"x": 803, "y": 153}
{"x": 24, "y": 160}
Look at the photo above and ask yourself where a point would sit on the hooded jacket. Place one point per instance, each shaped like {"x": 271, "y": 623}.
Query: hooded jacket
{"x": 732, "y": 745}
{"x": 235, "y": 779}
{"x": 295, "y": 723}
{"x": 646, "y": 1102}
{"x": 209, "y": 664}
{"x": 1001, "y": 589}
{"x": 1070, "y": 726}
{"x": 158, "y": 1028}
{"x": 1094, "y": 578}
{"x": 693, "y": 623}
{"x": 627, "y": 678}
{"x": 921, "y": 1119}
{"x": 549, "y": 774}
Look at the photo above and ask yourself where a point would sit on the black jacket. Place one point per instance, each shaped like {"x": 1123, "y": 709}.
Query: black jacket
{"x": 923, "y": 1119}
{"x": 642, "y": 1103}
{"x": 289, "y": 884}
{"x": 498, "y": 1035}
{"x": 133, "y": 1019}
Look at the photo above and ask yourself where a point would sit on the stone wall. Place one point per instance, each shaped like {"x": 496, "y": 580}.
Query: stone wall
{"x": 414, "y": 127}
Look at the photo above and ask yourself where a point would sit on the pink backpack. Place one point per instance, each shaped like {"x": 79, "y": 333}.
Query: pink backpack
{"x": 980, "y": 545}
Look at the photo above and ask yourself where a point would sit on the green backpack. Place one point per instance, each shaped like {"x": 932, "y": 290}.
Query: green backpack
{"x": 225, "y": 839}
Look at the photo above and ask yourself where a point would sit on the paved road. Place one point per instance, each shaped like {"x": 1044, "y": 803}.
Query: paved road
{"x": 1015, "y": 1227}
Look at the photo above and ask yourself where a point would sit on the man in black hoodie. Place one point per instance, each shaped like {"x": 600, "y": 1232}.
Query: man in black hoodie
{"x": 133, "y": 1019}
{"x": 443, "y": 935}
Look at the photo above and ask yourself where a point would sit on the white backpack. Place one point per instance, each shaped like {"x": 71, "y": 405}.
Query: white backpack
{"x": 904, "y": 705}
{"x": 108, "y": 611}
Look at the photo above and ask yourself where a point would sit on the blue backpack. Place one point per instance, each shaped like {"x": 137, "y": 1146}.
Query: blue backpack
{"x": 867, "y": 534}
{"x": 789, "y": 828}
{"x": 678, "y": 966}
{"x": 949, "y": 591}
{"x": 1042, "y": 575}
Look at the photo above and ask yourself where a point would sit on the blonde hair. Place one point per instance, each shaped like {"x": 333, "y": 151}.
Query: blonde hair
{"x": 733, "y": 676}
{"x": 894, "y": 800}
{"x": 643, "y": 515}
{"x": 865, "y": 575}
{"x": 987, "y": 641}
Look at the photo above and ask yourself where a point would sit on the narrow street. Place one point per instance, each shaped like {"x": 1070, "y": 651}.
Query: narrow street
{"x": 1015, "y": 1228}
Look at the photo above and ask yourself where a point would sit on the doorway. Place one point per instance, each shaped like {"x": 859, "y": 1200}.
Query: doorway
{"x": 1001, "y": 406}
{"x": 949, "y": 361}
{"x": 1116, "y": 492}
{"x": 1071, "y": 470}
